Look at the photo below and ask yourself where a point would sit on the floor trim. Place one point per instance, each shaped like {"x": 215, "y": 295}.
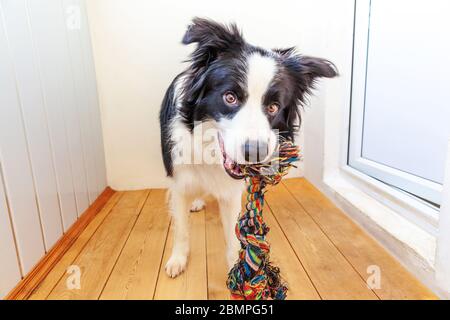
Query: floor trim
{"x": 29, "y": 283}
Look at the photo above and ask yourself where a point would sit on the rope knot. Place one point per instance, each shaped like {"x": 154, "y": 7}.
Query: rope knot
{"x": 253, "y": 277}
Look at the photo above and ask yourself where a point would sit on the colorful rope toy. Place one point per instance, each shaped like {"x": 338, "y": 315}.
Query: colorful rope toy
{"x": 253, "y": 277}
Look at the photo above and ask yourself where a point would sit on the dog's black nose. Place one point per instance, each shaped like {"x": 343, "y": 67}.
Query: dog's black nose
{"x": 255, "y": 151}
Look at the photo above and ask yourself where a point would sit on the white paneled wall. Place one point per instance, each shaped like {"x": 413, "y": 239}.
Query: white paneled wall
{"x": 9, "y": 269}
{"x": 52, "y": 163}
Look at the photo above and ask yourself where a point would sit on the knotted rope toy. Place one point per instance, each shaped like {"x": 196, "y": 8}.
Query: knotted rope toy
{"x": 253, "y": 277}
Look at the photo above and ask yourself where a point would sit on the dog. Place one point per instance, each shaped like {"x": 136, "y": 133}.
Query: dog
{"x": 247, "y": 98}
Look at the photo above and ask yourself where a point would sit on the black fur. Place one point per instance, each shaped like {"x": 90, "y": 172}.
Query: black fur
{"x": 218, "y": 64}
{"x": 166, "y": 115}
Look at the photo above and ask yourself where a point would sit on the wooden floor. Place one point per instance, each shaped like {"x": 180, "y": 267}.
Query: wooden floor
{"x": 322, "y": 253}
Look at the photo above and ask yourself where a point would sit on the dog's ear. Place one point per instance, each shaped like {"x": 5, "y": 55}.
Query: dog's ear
{"x": 302, "y": 72}
{"x": 212, "y": 35}
{"x": 212, "y": 39}
{"x": 285, "y": 52}
{"x": 305, "y": 70}
{"x": 313, "y": 68}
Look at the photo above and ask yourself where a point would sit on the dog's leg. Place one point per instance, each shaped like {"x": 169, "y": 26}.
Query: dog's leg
{"x": 229, "y": 212}
{"x": 179, "y": 206}
{"x": 197, "y": 205}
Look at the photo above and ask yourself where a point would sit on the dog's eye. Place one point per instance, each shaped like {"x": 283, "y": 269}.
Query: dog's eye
{"x": 273, "y": 109}
{"x": 230, "y": 99}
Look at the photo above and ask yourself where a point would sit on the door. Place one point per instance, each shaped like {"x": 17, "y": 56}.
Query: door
{"x": 400, "y": 114}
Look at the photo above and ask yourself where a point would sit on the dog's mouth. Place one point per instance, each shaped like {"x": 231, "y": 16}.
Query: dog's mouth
{"x": 233, "y": 169}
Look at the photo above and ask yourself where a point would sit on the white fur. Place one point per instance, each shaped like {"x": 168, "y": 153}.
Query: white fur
{"x": 189, "y": 183}
{"x": 193, "y": 178}
{"x": 197, "y": 205}
{"x": 192, "y": 181}
{"x": 251, "y": 122}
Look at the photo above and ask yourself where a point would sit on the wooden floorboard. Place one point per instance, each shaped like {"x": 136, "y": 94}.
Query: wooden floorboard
{"x": 193, "y": 283}
{"x": 136, "y": 271}
{"x": 215, "y": 254}
{"x": 284, "y": 257}
{"x": 321, "y": 252}
{"x": 99, "y": 256}
{"x": 327, "y": 268}
{"x": 359, "y": 249}
{"x": 60, "y": 269}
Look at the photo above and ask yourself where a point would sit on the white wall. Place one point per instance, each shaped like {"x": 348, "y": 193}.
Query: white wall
{"x": 138, "y": 51}
{"x": 51, "y": 150}
{"x": 327, "y": 113}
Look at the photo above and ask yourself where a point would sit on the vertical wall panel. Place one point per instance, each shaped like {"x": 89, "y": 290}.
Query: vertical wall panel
{"x": 93, "y": 96}
{"x": 72, "y": 11}
{"x": 34, "y": 116}
{"x": 17, "y": 173}
{"x": 51, "y": 151}
{"x": 70, "y": 103}
{"x": 49, "y": 40}
{"x": 9, "y": 268}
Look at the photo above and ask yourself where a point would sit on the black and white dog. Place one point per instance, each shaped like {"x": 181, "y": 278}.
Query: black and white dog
{"x": 231, "y": 105}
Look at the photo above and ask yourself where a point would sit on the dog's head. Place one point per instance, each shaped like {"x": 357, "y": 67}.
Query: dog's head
{"x": 252, "y": 94}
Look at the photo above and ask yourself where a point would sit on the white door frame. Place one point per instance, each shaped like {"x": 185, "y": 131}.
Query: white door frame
{"x": 443, "y": 244}
{"x": 421, "y": 187}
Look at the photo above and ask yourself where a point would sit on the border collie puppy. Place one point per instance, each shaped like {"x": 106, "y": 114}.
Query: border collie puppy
{"x": 231, "y": 105}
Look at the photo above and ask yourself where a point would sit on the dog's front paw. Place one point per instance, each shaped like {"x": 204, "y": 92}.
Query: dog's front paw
{"x": 197, "y": 205}
{"x": 176, "y": 265}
